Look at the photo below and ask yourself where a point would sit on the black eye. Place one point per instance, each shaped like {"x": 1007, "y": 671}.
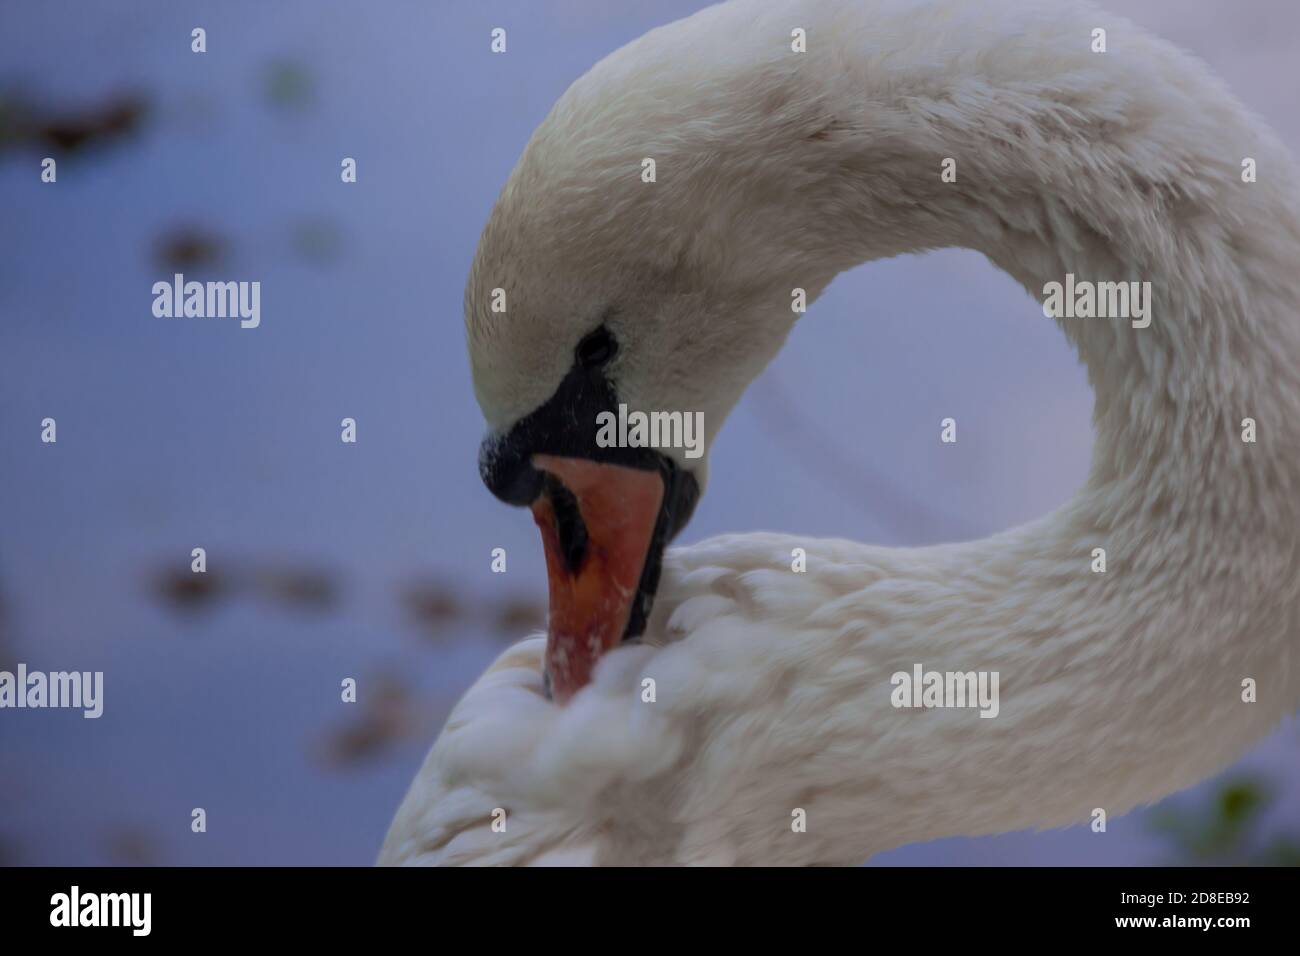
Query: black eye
{"x": 596, "y": 348}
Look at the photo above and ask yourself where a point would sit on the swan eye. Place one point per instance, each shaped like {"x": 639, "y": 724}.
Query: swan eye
{"x": 596, "y": 348}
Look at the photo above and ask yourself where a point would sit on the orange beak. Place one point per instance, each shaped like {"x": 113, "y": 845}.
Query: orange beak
{"x": 597, "y": 522}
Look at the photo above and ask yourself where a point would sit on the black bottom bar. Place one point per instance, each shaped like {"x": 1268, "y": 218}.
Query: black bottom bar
{"x": 437, "y": 906}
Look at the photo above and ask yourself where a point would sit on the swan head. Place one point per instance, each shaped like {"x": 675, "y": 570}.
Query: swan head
{"x": 635, "y": 269}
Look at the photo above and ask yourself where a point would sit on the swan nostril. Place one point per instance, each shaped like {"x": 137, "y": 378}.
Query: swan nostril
{"x": 570, "y": 527}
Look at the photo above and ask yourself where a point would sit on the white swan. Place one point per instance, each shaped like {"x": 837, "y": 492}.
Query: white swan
{"x": 775, "y": 170}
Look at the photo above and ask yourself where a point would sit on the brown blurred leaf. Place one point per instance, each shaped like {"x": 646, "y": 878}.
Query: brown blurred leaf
{"x": 22, "y": 122}
{"x": 189, "y": 247}
{"x": 186, "y": 590}
{"x": 432, "y": 605}
{"x": 386, "y": 716}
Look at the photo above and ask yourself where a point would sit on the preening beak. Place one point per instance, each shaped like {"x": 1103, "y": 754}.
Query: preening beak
{"x": 598, "y": 526}
{"x": 605, "y": 514}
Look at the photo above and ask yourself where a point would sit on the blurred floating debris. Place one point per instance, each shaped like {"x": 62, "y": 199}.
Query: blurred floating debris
{"x": 317, "y": 240}
{"x": 518, "y": 615}
{"x": 1226, "y": 832}
{"x": 294, "y": 586}
{"x": 185, "y": 590}
{"x": 23, "y": 123}
{"x": 305, "y": 588}
{"x": 387, "y": 715}
{"x": 436, "y": 607}
{"x": 432, "y": 605}
{"x": 289, "y": 85}
{"x": 189, "y": 247}
{"x": 132, "y": 846}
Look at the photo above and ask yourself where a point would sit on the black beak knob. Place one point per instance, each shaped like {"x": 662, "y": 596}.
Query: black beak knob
{"x": 507, "y": 470}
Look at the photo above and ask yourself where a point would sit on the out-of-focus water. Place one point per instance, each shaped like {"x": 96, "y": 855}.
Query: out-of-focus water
{"x": 175, "y": 434}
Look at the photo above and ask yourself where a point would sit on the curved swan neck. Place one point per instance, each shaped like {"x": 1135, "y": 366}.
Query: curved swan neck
{"x": 1117, "y": 687}
{"x": 1074, "y": 166}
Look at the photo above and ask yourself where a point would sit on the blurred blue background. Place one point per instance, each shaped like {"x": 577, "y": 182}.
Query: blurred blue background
{"x": 328, "y": 560}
